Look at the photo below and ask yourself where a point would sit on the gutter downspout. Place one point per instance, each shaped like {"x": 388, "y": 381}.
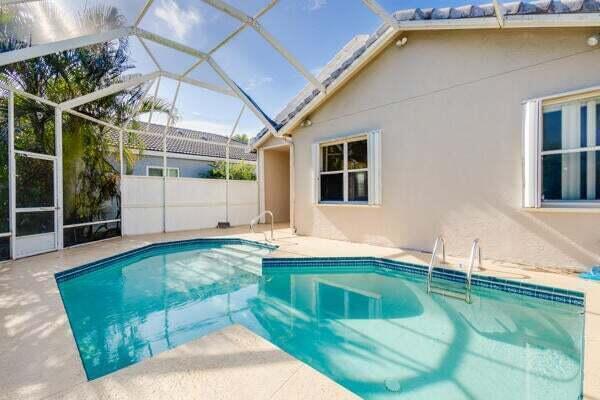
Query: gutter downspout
{"x": 292, "y": 185}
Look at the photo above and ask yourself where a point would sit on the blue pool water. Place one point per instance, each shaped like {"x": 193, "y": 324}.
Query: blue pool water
{"x": 372, "y": 329}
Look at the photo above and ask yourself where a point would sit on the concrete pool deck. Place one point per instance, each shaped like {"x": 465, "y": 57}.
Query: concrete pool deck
{"x": 232, "y": 363}
{"x": 39, "y": 359}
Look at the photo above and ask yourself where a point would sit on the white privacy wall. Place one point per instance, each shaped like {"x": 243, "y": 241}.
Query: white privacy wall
{"x": 190, "y": 203}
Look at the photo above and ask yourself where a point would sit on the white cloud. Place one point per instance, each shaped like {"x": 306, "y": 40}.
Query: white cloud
{"x": 254, "y": 83}
{"x": 179, "y": 21}
{"x": 314, "y": 5}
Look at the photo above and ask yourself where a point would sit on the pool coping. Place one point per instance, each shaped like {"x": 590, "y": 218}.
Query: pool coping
{"x": 83, "y": 269}
{"x": 550, "y": 293}
{"x": 505, "y": 285}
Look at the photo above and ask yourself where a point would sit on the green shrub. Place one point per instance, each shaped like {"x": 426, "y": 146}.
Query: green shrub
{"x": 237, "y": 171}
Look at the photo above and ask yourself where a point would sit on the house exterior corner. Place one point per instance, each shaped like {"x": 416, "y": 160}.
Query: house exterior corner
{"x": 449, "y": 106}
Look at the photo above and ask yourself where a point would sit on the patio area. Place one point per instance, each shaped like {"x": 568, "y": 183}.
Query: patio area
{"x": 129, "y": 123}
{"x": 42, "y": 361}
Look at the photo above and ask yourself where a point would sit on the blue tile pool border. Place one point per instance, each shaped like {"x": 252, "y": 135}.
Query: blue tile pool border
{"x": 343, "y": 264}
{"x": 106, "y": 262}
{"x": 360, "y": 263}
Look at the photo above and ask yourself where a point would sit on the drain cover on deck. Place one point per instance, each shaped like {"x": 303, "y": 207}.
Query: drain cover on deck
{"x": 392, "y": 385}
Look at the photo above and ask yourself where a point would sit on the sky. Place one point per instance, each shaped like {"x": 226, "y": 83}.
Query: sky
{"x": 312, "y": 30}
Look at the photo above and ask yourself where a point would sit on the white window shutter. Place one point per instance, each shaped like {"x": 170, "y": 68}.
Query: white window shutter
{"x": 531, "y": 149}
{"x": 316, "y": 178}
{"x": 592, "y": 119}
{"x": 374, "y": 164}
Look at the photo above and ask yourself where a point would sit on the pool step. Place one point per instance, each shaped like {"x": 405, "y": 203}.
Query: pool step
{"x": 247, "y": 261}
{"x": 256, "y": 252}
{"x": 450, "y": 292}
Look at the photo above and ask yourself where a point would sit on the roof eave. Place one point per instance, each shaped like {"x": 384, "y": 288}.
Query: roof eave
{"x": 368, "y": 55}
{"x": 262, "y": 140}
{"x": 574, "y": 20}
{"x": 510, "y": 22}
{"x": 580, "y": 20}
{"x": 373, "y": 51}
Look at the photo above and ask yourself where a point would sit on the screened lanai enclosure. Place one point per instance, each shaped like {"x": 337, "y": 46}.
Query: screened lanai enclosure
{"x": 82, "y": 82}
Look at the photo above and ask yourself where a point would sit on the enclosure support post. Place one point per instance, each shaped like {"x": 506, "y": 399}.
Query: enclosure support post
{"x": 235, "y": 125}
{"x": 152, "y": 106}
{"x": 12, "y": 185}
{"x": 150, "y": 54}
{"x": 500, "y": 12}
{"x": 227, "y": 183}
{"x": 44, "y": 49}
{"x": 260, "y": 162}
{"x": 231, "y": 36}
{"x": 381, "y": 12}
{"x": 143, "y": 12}
{"x": 121, "y": 169}
{"x": 122, "y": 148}
{"x": 112, "y": 89}
{"x": 292, "y": 188}
{"x": 164, "y": 151}
{"x": 243, "y": 97}
{"x": 270, "y": 39}
{"x": 59, "y": 177}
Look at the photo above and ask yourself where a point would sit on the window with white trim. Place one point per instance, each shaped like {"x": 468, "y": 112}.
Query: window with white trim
{"x": 158, "y": 171}
{"x": 562, "y": 158}
{"x": 348, "y": 170}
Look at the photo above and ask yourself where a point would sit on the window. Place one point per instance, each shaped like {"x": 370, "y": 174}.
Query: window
{"x": 344, "y": 171}
{"x": 565, "y": 167}
{"x": 158, "y": 171}
{"x": 348, "y": 170}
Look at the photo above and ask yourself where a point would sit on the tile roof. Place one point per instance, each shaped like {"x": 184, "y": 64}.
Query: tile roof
{"x": 359, "y": 44}
{"x": 343, "y": 55}
{"x": 487, "y": 10}
{"x": 201, "y": 143}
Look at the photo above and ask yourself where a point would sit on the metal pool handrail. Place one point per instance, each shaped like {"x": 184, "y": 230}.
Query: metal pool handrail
{"x": 439, "y": 242}
{"x": 475, "y": 253}
{"x": 257, "y": 218}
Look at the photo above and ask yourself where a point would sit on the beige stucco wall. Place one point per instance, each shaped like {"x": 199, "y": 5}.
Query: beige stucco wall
{"x": 273, "y": 142}
{"x": 277, "y": 183}
{"x": 449, "y": 106}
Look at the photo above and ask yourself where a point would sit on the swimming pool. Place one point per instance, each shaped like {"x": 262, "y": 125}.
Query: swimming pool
{"x": 368, "y": 324}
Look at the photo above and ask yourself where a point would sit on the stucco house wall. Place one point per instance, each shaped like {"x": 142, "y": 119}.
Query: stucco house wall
{"x": 277, "y": 184}
{"x": 449, "y": 105}
{"x": 187, "y": 168}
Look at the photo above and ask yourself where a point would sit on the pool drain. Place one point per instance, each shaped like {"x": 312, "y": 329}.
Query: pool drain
{"x": 392, "y": 385}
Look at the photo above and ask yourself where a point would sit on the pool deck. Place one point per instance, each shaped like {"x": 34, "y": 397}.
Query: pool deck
{"x": 39, "y": 359}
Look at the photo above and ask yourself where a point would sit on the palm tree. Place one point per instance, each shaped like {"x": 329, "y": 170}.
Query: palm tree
{"x": 90, "y": 157}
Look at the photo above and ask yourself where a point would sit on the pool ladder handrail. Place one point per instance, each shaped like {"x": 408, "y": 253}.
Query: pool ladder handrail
{"x": 439, "y": 242}
{"x": 256, "y": 219}
{"x": 475, "y": 255}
